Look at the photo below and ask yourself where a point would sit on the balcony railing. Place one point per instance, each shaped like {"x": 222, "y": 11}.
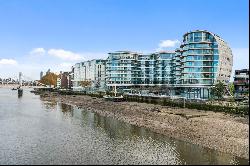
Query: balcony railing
{"x": 241, "y": 82}
{"x": 241, "y": 76}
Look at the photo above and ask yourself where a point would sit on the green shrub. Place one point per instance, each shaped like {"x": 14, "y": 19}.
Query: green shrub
{"x": 191, "y": 105}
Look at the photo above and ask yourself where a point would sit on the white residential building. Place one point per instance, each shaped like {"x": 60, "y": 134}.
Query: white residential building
{"x": 58, "y": 82}
{"x": 93, "y": 71}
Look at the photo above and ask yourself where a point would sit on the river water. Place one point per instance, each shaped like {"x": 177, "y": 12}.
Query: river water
{"x": 34, "y": 131}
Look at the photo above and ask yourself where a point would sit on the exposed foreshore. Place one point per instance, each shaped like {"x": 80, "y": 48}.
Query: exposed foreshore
{"x": 223, "y": 132}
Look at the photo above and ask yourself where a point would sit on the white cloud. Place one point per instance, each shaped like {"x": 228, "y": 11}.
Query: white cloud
{"x": 31, "y": 65}
{"x": 65, "y": 55}
{"x": 8, "y": 62}
{"x": 68, "y": 55}
{"x": 38, "y": 51}
{"x": 168, "y": 43}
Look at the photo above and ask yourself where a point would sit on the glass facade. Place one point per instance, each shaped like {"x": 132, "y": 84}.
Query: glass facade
{"x": 164, "y": 68}
{"x": 121, "y": 68}
{"x": 146, "y": 69}
{"x": 129, "y": 69}
{"x": 202, "y": 59}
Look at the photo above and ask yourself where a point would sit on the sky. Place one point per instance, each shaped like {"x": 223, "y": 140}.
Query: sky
{"x": 37, "y": 35}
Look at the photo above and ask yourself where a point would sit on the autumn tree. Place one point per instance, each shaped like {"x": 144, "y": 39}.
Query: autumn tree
{"x": 85, "y": 83}
{"x": 49, "y": 79}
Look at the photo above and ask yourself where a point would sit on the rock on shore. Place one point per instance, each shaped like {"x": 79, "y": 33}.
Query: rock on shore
{"x": 219, "y": 131}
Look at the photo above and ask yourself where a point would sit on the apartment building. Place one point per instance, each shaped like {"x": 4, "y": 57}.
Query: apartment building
{"x": 92, "y": 71}
{"x": 205, "y": 59}
{"x": 190, "y": 71}
{"x": 121, "y": 69}
{"x": 64, "y": 80}
{"x": 241, "y": 82}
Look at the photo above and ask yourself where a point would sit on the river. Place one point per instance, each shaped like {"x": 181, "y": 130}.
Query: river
{"x": 34, "y": 131}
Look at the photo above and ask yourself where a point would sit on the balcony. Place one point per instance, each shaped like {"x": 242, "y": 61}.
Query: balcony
{"x": 242, "y": 91}
{"x": 241, "y": 82}
{"x": 241, "y": 76}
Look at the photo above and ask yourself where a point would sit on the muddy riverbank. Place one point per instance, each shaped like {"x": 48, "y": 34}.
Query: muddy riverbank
{"x": 219, "y": 131}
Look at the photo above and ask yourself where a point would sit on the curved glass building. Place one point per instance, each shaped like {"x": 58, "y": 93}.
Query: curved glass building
{"x": 205, "y": 60}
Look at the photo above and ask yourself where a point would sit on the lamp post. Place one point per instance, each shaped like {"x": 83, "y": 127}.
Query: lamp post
{"x": 184, "y": 102}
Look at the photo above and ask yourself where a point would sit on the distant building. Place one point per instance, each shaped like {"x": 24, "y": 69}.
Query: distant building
{"x": 92, "y": 71}
{"x": 58, "y": 82}
{"x": 241, "y": 82}
{"x": 41, "y": 75}
{"x": 64, "y": 80}
{"x": 48, "y": 72}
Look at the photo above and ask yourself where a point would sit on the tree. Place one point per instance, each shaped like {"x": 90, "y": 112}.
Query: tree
{"x": 218, "y": 90}
{"x": 98, "y": 84}
{"x": 165, "y": 89}
{"x": 49, "y": 79}
{"x": 85, "y": 83}
{"x": 231, "y": 88}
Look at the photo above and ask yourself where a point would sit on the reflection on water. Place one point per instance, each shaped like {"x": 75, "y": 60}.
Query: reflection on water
{"x": 152, "y": 148}
{"x": 33, "y": 131}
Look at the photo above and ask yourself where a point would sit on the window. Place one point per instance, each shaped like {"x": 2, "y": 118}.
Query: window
{"x": 216, "y": 51}
{"x": 216, "y": 57}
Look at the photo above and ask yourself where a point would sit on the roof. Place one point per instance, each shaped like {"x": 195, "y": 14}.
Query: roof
{"x": 123, "y": 52}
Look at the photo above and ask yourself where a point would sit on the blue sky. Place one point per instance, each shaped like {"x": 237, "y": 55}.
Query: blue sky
{"x": 39, "y": 34}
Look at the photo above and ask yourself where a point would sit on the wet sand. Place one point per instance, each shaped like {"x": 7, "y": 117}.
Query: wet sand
{"x": 223, "y": 132}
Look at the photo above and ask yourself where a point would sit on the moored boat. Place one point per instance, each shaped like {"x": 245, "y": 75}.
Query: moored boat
{"x": 114, "y": 98}
{"x": 20, "y": 92}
